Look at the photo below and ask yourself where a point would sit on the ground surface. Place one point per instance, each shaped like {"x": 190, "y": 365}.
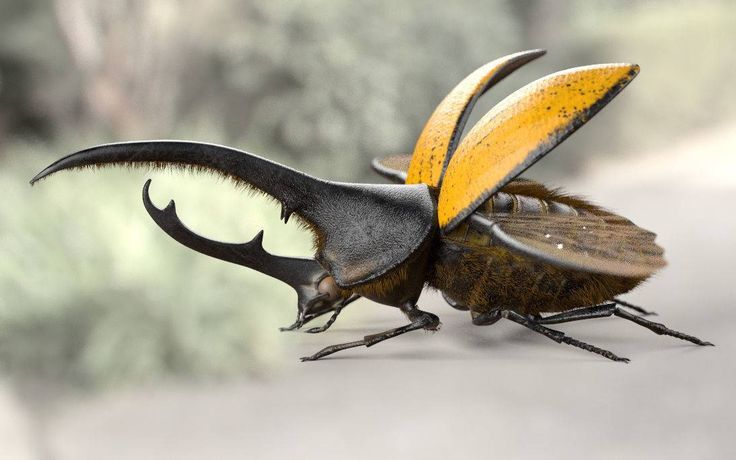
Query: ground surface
{"x": 467, "y": 391}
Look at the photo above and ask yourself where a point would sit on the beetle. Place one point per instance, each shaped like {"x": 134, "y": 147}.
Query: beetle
{"x": 458, "y": 219}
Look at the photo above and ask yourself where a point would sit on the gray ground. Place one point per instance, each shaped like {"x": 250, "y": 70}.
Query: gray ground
{"x": 470, "y": 392}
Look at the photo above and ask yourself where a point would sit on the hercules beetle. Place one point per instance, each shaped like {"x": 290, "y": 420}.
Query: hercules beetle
{"x": 459, "y": 219}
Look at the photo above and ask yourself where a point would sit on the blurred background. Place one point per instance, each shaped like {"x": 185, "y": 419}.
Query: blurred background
{"x": 101, "y": 313}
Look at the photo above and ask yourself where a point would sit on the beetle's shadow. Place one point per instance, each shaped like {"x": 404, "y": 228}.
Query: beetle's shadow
{"x": 635, "y": 341}
{"x": 505, "y": 341}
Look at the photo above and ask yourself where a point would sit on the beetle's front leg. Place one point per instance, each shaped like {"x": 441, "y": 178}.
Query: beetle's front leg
{"x": 419, "y": 320}
{"x": 344, "y": 303}
{"x": 303, "y": 316}
{"x": 306, "y": 313}
{"x": 324, "y": 300}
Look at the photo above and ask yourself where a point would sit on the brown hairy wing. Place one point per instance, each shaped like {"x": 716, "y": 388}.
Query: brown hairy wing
{"x": 393, "y": 168}
{"x": 607, "y": 244}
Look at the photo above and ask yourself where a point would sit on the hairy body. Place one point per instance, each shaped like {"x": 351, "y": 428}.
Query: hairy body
{"x": 476, "y": 272}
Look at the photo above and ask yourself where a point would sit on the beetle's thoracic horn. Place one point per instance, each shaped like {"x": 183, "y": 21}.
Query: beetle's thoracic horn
{"x": 400, "y": 217}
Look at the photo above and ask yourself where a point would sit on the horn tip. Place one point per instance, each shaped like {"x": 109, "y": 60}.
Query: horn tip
{"x": 39, "y": 176}
{"x": 258, "y": 240}
{"x": 146, "y": 186}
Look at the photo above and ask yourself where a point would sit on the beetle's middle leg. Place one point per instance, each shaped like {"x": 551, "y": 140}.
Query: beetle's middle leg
{"x": 636, "y": 308}
{"x": 419, "y": 320}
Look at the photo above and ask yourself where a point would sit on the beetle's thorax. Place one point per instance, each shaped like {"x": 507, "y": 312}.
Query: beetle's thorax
{"x": 403, "y": 283}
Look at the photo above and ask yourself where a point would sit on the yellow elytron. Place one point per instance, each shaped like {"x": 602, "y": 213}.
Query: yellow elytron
{"x": 510, "y": 137}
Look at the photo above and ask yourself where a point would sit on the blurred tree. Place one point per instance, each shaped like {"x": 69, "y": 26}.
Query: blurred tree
{"x": 135, "y": 59}
{"x": 24, "y": 68}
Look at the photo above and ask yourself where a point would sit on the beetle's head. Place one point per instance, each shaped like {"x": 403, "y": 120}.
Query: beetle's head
{"x": 317, "y": 298}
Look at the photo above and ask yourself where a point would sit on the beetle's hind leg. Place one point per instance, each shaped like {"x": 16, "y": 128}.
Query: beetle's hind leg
{"x": 636, "y": 308}
{"x": 659, "y": 328}
{"x": 611, "y": 309}
{"x": 419, "y": 320}
{"x": 558, "y": 336}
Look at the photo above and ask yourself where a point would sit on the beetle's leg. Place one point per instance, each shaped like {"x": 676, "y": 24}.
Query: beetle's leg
{"x": 324, "y": 327}
{"x": 611, "y": 309}
{"x": 658, "y": 328}
{"x": 578, "y": 314}
{"x": 334, "y": 316}
{"x": 487, "y": 318}
{"x": 419, "y": 320}
{"x": 635, "y": 308}
{"x": 454, "y": 304}
{"x": 301, "y": 318}
{"x": 558, "y": 336}
{"x": 295, "y": 325}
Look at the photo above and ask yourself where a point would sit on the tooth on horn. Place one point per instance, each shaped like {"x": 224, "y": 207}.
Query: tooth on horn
{"x": 285, "y": 213}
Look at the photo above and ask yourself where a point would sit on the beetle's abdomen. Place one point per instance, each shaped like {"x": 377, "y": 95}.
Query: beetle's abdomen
{"x": 487, "y": 277}
{"x": 475, "y": 271}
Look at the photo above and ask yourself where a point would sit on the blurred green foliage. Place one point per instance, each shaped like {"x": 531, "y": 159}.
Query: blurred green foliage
{"x": 91, "y": 292}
